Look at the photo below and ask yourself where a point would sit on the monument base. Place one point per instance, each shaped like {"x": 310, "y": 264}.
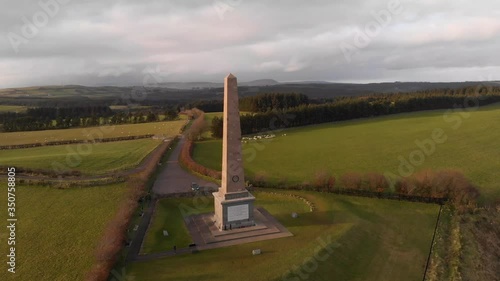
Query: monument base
{"x": 208, "y": 236}
{"x": 233, "y": 210}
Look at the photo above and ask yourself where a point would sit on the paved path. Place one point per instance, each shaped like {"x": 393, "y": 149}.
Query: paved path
{"x": 174, "y": 179}
{"x": 135, "y": 247}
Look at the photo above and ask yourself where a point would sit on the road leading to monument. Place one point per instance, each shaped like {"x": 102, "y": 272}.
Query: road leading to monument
{"x": 174, "y": 179}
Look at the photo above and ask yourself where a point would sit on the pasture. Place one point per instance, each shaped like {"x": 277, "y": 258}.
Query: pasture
{"x": 208, "y": 118}
{"x": 369, "y": 239}
{"x": 89, "y": 158}
{"x": 388, "y": 144}
{"x": 12, "y": 108}
{"x": 167, "y": 210}
{"x": 168, "y": 129}
{"x": 58, "y": 230}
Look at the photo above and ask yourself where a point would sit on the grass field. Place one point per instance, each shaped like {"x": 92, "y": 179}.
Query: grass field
{"x": 168, "y": 128}
{"x": 12, "y": 108}
{"x": 377, "y": 145}
{"x": 371, "y": 240}
{"x": 168, "y": 217}
{"x": 209, "y": 116}
{"x": 57, "y": 230}
{"x": 128, "y": 107}
{"x": 99, "y": 158}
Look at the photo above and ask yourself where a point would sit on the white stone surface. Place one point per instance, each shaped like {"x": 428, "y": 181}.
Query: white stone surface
{"x": 238, "y": 212}
{"x": 233, "y": 178}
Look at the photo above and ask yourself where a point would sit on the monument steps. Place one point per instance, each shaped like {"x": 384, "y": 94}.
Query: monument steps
{"x": 207, "y": 235}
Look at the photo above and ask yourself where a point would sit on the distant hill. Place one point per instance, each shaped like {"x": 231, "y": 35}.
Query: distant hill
{"x": 205, "y": 85}
{"x": 321, "y": 89}
{"x": 184, "y": 92}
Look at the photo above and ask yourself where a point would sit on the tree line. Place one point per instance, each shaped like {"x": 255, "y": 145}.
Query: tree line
{"x": 69, "y": 112}
{"x": 269, "y": 101}
{"x": 36, "y": 119}
{"x": 361, "y": 107}
{"x": 424, "y": 186}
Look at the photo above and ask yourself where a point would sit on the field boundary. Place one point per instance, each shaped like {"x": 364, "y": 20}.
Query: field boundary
{"x": 116, "y": 230}
{"x": 432, "y": 243}
{"x": 187, "y": 161}
{"x": 55, "y": 143}
{"x": 197, "y": 168}
{"x": 48, "y": 176}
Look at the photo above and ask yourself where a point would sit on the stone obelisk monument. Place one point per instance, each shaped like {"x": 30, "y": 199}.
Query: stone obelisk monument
{"x": 233, "y": 202}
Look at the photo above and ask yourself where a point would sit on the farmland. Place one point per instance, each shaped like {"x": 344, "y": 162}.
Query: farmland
{"x": 376, "y": 145}
{"x": 168, "y": 129}
{"x": 360, "y": 230}
{"x": 95, "y": 158}
{"x": 12, "y": 108}
{"x": 58, "y": 230}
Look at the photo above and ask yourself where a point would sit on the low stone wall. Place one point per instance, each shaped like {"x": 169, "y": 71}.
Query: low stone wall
{"x": 311, "y": 205}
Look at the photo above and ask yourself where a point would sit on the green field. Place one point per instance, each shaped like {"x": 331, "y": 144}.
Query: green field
{"x": 168, "y": 217}
{"x": 53, "y": 92}
{"x": 128, "y": 107}
{"x": 371, "y": 240}
{"x": 209, "y": 116}
{"x": 12, "y": 108}
{"x": 95, "y": 158}
{"x": 168, "y": 129}
{"x": 376, "y": 145}
{"x": 57, "y": 230}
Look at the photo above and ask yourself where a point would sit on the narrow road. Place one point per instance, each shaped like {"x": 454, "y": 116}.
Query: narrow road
{"x": 174, "y": 179}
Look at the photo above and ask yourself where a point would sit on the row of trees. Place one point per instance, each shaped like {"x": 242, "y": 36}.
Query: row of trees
{"x": 258, "y": 103}
{"x": 198, "y": 126}
{"x": 15, "y": 123}
{"x": 115, "y": 232}
{"x": 362, "y": 107}
{"x": 449, "y": 184}
{"x": 69, "y": 112}
{"x": 74, "y": 141}
{"x": 207, "y": 105}
{"x": 270, "y": 101}
{"x": 188, "y": 162}
{"x": 426, "y": 185}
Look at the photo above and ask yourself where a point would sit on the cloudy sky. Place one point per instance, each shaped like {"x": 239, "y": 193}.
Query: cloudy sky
{"x": 118, "y": 42}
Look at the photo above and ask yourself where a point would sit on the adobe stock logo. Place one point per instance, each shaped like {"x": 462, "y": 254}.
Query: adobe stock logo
{"x": 31, "y": 27}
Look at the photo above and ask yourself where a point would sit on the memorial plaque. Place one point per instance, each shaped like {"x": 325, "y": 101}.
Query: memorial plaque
{"x": 238, "y": 212}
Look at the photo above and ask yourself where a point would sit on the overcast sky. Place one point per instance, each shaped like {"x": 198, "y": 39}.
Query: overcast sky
{"x": 118, "y": 42}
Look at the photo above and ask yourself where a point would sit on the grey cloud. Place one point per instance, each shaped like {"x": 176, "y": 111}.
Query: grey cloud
{"x": 111, "y": 42}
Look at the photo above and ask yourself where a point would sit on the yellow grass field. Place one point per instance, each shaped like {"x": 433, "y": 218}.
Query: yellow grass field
{"x": 168, "y": 129}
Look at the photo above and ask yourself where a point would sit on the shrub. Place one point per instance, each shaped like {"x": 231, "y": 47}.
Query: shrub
{"x": 260, "y": 178}
{"x": 376, "y": 182}
{"x": 324, "y": 181}
{"x": 199, "y": 125}
{"x": 352, "y": 180}
{"x": 115, "y": 232}
{"x": 450, "y": 184}
{"x": 187, "y": 161}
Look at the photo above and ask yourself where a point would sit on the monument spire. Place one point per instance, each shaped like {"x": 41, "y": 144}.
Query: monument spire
{"x": 233, "y": 179}
{"x": 233, "y": 203}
